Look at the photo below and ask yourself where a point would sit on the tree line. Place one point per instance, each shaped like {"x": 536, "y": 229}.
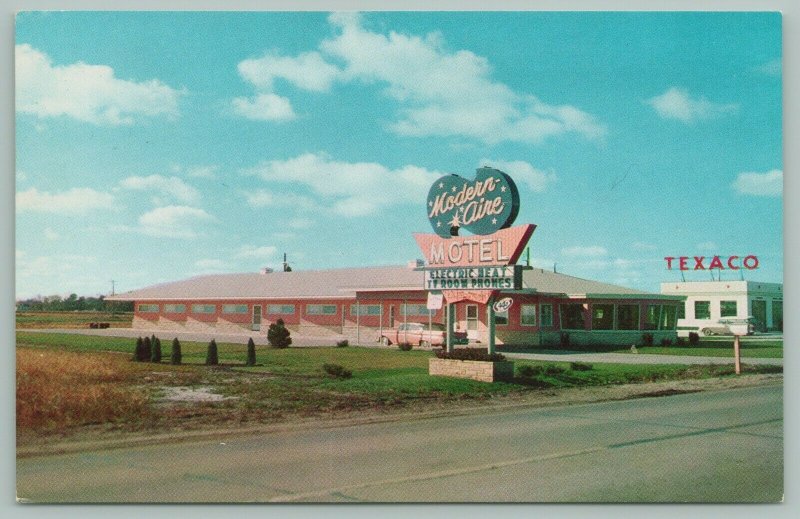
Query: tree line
{"x": 72, "y": 303}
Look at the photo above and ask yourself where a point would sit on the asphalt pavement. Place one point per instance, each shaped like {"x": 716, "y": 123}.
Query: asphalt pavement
{"x": 716, "y": 446}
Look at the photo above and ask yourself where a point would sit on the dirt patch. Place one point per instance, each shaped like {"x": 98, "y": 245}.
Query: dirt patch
{"x": 191, "y": 394}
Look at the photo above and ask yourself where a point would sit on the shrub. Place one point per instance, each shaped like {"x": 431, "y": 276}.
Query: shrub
{"x": 529, "y": 371}
{"x": 342, "y": 344}
{"x": 147, "y": 350}
{"x": 694, "y": 338}
{"x": 337, "y": 371}
{"x": 176, "y": 356}
{"x": 564, "y": 339}
{"x": 278, "y": 335}
{"x": 156, "y": 354}
{"x": 580, "y": 366}
{"x": 405, "y": 346}
{"x": 554, "y": 370}
{"x": 138, "y": 352}
{"x": 666, "y": 342}
{"x": 212, "y": 359}
{"x": 647, "y": 339}
{"x": 470, "y": 354}
{"x": 251, "y": 353}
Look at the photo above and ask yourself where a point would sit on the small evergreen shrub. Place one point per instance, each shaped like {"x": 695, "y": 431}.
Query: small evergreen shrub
{"x": 647, "y": 339}
{"x": 554, "y": 370}
{"x": 156, "y": 354}
{"x": 337, "y": 371}
{"x": 666, "y": 342}
{"x": 342, "y": 344}
{"x": 251, "y": 353}
{"x": 470, "y": 354}
{"x": 212, "y": 358}
{"x": 580, "y": 366}
{"x": 147, "y": 350}
{"x": 694, "y": 338}
{"x": 529, "y": 371}
{"x": 405, "y": 346}
{"x": 176, "y": 356}
{"x": 563, "y": 339}
{"x": 138, "y": 352}
{"x": 278, "y": 335}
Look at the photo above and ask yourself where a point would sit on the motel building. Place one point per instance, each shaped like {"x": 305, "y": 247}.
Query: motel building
{"x": 362, "y": 305}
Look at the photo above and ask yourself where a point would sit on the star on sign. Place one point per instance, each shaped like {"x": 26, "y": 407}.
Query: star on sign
{"x": 494, "y": 221}
{"x": 430, "y": 203}
{"x": 441, "y": 185}
{"x": 454, "y": 189}
{"x": 438, "y": 224}
{"x": 455, "y": 222}
{"x": 503, "y": 189}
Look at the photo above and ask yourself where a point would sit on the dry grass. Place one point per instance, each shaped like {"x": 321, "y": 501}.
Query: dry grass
{"x": 58, "y": 389}
{"x": 33, "y": 320}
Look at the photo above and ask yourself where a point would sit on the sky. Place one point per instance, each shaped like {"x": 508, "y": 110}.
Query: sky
{"x": 152, "y": 147}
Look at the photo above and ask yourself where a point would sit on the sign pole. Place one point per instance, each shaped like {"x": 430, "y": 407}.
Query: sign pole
{"x": 490, "y": 323}
{"x": 449, "y": 319}
{"x": 737, "y": 355}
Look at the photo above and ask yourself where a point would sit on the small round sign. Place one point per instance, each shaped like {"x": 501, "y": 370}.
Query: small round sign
{"x": 503, "y": 305}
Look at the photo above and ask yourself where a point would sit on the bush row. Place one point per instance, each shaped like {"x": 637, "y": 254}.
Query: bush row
{"x": 149, "y": 350}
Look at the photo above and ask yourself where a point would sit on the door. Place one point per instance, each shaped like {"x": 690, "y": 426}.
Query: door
{"x": 760, "y": 315}
{"x": 472, "y": 322}
{"x": 256, "y": 317}
{"x": 391, "y": 316}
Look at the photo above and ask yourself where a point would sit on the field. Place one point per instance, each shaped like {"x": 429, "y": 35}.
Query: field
{"x": 40, "y": 320}
{"x": 74, "y": 383}
{"x": 758, "y": 348}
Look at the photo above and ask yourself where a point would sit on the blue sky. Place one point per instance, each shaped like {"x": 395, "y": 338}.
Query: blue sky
{"x": 156, "y": 146}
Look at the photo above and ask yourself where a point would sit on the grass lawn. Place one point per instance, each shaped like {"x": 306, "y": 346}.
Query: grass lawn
{"x": 68, "y": 381}
{"x": 772, "y": 349}
{"x": 72, "y": 319}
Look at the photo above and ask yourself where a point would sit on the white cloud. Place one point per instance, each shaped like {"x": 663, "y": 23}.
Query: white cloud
{"x": 760, "y": 184}
{"x": 307, "y": 71}
{"x": 21, "y": 176}
{"x": 251, "y": 251}
{"x": 173, "y": 221}
{"x": 771, "y": 68}
{"x": 202, "y": 171}
{"x": 78, "y": 200}
{"x": 262, "y": 198}
{"x": 171, "y": 187}
{"x": 580, "y": 251}
{"x": 264, "y": 107}
{"x": 536, "y": 179}
{"x": 89, "y": 93}
{"x": 439, "y": 92}
{"x": 676, "y": 103}
{"x": 350, "y": 189}
{"x": 300, "y": 223}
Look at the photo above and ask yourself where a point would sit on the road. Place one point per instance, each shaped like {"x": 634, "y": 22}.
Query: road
{"x": 722, "y": 446}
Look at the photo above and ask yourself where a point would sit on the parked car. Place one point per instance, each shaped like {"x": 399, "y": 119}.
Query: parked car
{"x": 731, "y": 327}
{"x": 421, "y": 334}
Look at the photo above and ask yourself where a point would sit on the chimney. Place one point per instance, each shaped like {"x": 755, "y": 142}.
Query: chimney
{"x": 266, "y": 270}
{"x": 417, "y": 263}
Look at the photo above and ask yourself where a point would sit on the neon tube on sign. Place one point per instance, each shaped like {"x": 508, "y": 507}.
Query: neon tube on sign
{"x": 716, "y": 262}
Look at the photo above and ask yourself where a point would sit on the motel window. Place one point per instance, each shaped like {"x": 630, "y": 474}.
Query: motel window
{"x": 174, "y": 309}
{"x": 204, "y": 309}
{"x": 280, "y": 309}
{"x": 602, "y": 317}
{"x": 234, "y": 309}
{"x": 628, "y": 317}
{"x": 702, "y": 310}
{"x": 320, "y": 309}
{"x": 409, "y": 309}
{"x": 727, "y": 308}
{"x": 365, "y": 310}
{"x": 668, "y": 317}
{"x": 547, "y": 315}
{"x": 501, "y": 317}
{"x": 682, "y": 311}
{"x": 777, "y": 314}
{"x": 148, "y": 308}
{"x": 527, "y": 315}
{"x": 652, "y": 317}
{"x": 572, "y": 317}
